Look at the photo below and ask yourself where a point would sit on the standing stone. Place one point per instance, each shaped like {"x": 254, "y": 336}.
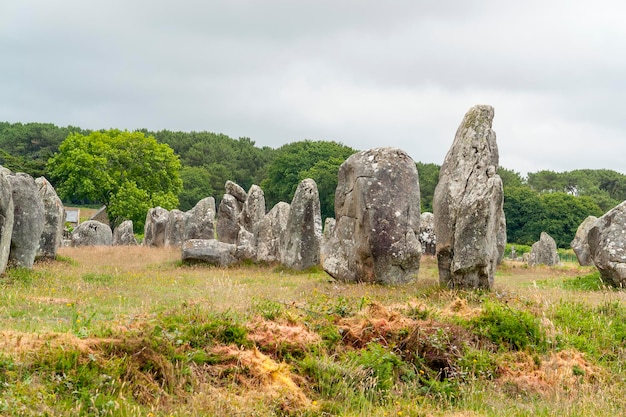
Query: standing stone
{"x": 29, "y": 220}
{"x": 7, "y": 212}
{"x": 580, "y": 244}
{"x": 154, "y": 228}
{"x": 377, "y": 208}
{"x": 271, "y": 228}
{"x": 54, "y": 219}
{"x": 200, "y": 220}
{"x": 228, "y": 219}
{"x": 543, "y": 252}
{"x": 253, "y": 210}
{"x": 427, "y": 237}
{"x": 300, "y": 246}
{"x": 123, "y": 235}
{"x": 607, "y": 245}
{"x": 236, "y": 191}
{"x": 501, "y": 238}
{"x": 468, "y": 205}
{"x": 175, "y": 228}
{"x": 92, "y": 233}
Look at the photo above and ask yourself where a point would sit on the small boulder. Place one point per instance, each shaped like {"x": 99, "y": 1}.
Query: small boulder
{"x": 123, "y": 235}
{"x": 544, "y": 252}
{"x": 607, "y": 245}
{"x": 209, "y": 251}
{"x": 92, "y": 233}
{"x": 580, "y": 244}
{"x": 29, "y": 220}
{"x": 154, "y": 228}
{"x": 228, "y": 219}
{"x": 54, "y": 219}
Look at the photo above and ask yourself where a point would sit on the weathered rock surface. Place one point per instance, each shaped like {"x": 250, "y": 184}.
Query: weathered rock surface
{"x": 175, "y": 228}
{"x": 543, "y": 252}
{"x": 28, "y": 222}
{"x": 54, "y": 219}
{"x": 253, "y": 210}
{"x": 228, "y": 219}
{"x": 6, "y": 219}
{"x": 300, "y": 245}
{"x": 123, "y": 234}
{"x": 270, "y": 230}
{"x": 377, "y": 209}
{"x": 200, "y": 220}
{"x": 580, "y": 244}
{"x": 209, "y": 251}
{"x": 236, "y": 191}
{"x": 501, "y": 238}
{"x": 154, "y": 228}
{"x": 92, "y": 233}
{"x": 246, "y": 245}
{"x": 468, "y": 205}
{"x": 427, "y": 237}
{"x": 607, "y": 245}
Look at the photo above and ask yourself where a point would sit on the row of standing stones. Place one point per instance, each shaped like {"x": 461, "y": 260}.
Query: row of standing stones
{"x": 378, "y": 235}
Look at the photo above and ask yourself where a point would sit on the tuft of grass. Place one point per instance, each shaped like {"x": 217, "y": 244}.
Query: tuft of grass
{"x": 589, "y": 282}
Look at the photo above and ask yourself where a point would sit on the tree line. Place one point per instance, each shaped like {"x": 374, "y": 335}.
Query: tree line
{"x": 144, "y": 168}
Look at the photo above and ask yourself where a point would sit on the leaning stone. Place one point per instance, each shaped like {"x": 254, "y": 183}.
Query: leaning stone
{"x": 427, "y": 237}
{"x": 236, "y": 191}
{"x": 92, "y": 233}
{"x": 271, "y": 228}
{"x": 7, "y": 214}
{"x": 54, "y": 216}
{"x": 300, "y": 246}
{"x": 468, "y": 205}
{"x": 29, "y": 220}
{"x": 228, "y": 219}
{"x": 200, "y": 220}
{"x": 544, "y": 252}
{"x": 209, "y": 251}
{"x": 123, "y": 235}
{"x": 154, "y": 228}
{"x": 377, "y": 212}
{"x": 175, "y": 228}
{"x": 580, "y": 244}
{"x": 607, "y": 245}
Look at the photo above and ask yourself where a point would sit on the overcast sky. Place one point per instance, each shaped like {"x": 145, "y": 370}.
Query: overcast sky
{"x": 366, "y": 73}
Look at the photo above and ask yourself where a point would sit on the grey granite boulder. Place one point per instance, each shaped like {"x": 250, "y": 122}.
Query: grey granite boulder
{"x": 123, "y": 234}
{"x": 175, "y": 228}
{"x": 269, "y": 233}
{"x": 28, "y": 222}
{"x": 468, "y": 205}
{"x": 228, "y": 219}
{"x": 300, "y": 243}
{"x": 544, "y": 252}
{"x": 200, "y": 220}
{"x": 253, "y": 210}
{"x": 427, "y": 236}
{"x": 236, "y": 191}
{"x": 154, "y": 228}
{"x": 580, "y": 244}
{"x": 6, "y": 219}
{"x": 377, "y": 218}
{"x": 92, "y": 233}
{"x": 209, "y": 251}
{"x": 607, "y": 245}
{"x": 54, "y": 219}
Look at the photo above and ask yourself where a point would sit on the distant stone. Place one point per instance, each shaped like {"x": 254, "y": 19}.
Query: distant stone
{"x": 544, "y": 252}
{"x": 209, "y": 251}
{"x": 501, "y": 238}
{"x": 29, "y": 220}
{"x": 228, "y": 219}
{"x": 427, "y": 237}
{"x": 54, "y": 219}
{"x": 300, "y": 246}
{"x": 271, "y": 228}
{"x": 236, "y": 191}
{"x": 123, "y": 235}
{"x": 7, "y": 213}
{"x": 92, "y": 233}
{"x": 607, "y": 245}
{"x": 154, "y": 228}
{"x": 175, "y": 228}
{"x": 468, "y": 205}
{"x": 377, "y": 219}
{"x": 580, "y": 244}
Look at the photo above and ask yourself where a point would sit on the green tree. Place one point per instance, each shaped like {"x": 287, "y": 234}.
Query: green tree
{"x": 196, "y": 186}
{"x": 126, "y": 171}
{"x": 429, "y": 177}
{"x": 325, "y": 173}
{"x": 522, "y": 210}
{"x": 562, "y": 213}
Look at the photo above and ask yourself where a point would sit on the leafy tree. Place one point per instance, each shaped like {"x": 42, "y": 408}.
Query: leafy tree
{"x": 522, "y": 209}
{"x": 196, "y": 186}
{"x": 510, "y": 178}
{"x": 429, "y": 177}
{"x": 126, "y": 171}
{"x": 562, "y": 214}
{"x": 325, "y": 173}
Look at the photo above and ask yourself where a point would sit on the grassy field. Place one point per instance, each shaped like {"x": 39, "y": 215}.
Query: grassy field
{"x": 113, "y": 331}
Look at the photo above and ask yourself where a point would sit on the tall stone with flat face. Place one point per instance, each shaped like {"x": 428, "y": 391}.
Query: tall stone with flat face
{"x": 468, "y": 205}
{"x": 154, "y": 228}
{"x": 271, "y": 228}
{"x": 6, "y": 218}
{"x": 123, "y": 234}
{"x": 544, "y": 251}
{"x": 54, "y": 216}
{"x": 300, "y": 246}
{"x": 200, "y": 220}
{"x": 29, "y": 219}
{"x": 375, "y": 237}
{"x": 607, "y": 245}
{"x": 228, "y": 219}
{"x": 580, "y": 244}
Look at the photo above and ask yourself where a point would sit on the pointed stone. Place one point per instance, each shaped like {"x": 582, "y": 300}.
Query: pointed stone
{"x": 29, "y": 220}
{"x": 54, "y": 219}
{"x": 123, "y": 235}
